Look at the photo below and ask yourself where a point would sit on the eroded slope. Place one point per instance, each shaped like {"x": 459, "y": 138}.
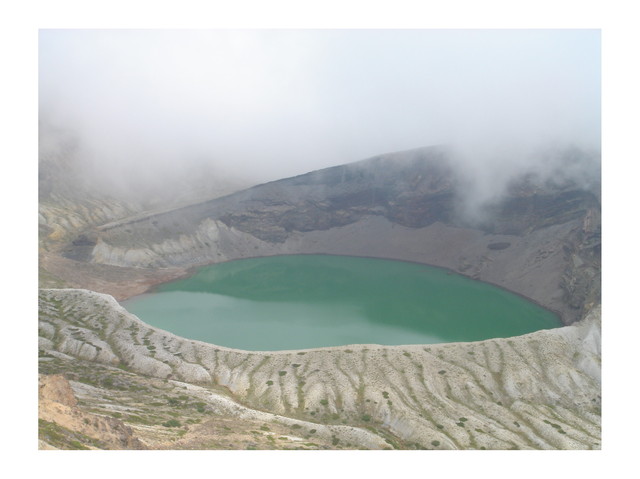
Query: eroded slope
{"x": 538, "y": 391}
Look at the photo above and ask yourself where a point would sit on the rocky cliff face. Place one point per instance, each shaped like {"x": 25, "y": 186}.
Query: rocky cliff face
{"x": 63, "y": 425}
{"x": 539, "y": 239}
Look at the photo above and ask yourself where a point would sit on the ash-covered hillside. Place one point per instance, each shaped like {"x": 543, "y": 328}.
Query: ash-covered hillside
{"x": 537, "y": 235}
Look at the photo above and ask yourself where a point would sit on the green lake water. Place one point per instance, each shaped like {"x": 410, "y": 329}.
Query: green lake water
{"x": 309, "y": 301}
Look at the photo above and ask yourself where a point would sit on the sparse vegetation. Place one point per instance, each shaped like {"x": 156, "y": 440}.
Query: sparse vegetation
{"x": 145, "y": 403}
{"x": 172, "y": 423}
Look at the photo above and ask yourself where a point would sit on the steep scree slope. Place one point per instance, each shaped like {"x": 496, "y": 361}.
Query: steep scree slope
{"x": 539, "y": 239}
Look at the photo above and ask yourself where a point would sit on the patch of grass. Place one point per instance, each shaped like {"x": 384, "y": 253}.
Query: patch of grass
{"x": 132, "y": 418}
{"x": 385, "y": 394}
{"x": 435, "y": 443}
{"x": 282, "y": 373}
{"x": 78, "y": 445}
{"x": 172, "y": 423}
{"x": 324, "y": 402}
{"x": 269, "y": 383}
{"x": 63, "y": 438}
{"x": 442, "y": 371}
{"x": 366, "y": 418}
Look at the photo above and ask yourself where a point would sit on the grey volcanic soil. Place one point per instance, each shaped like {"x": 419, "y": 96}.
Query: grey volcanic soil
{"x": 539, "y": 239}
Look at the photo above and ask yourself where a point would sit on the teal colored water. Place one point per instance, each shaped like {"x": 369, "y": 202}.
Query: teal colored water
{"x": 309, "y": 301}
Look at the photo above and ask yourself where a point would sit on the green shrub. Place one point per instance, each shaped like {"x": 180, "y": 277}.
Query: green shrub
{"x": 172, "y": 423}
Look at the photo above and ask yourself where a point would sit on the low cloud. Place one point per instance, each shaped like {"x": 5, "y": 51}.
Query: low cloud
{"x": 265, "y": 104}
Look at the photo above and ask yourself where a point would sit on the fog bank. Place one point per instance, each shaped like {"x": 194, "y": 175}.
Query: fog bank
{"x": 266, "y": 104}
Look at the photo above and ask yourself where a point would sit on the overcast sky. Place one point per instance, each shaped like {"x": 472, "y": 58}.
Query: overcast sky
{"x": 275, "y": 103}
